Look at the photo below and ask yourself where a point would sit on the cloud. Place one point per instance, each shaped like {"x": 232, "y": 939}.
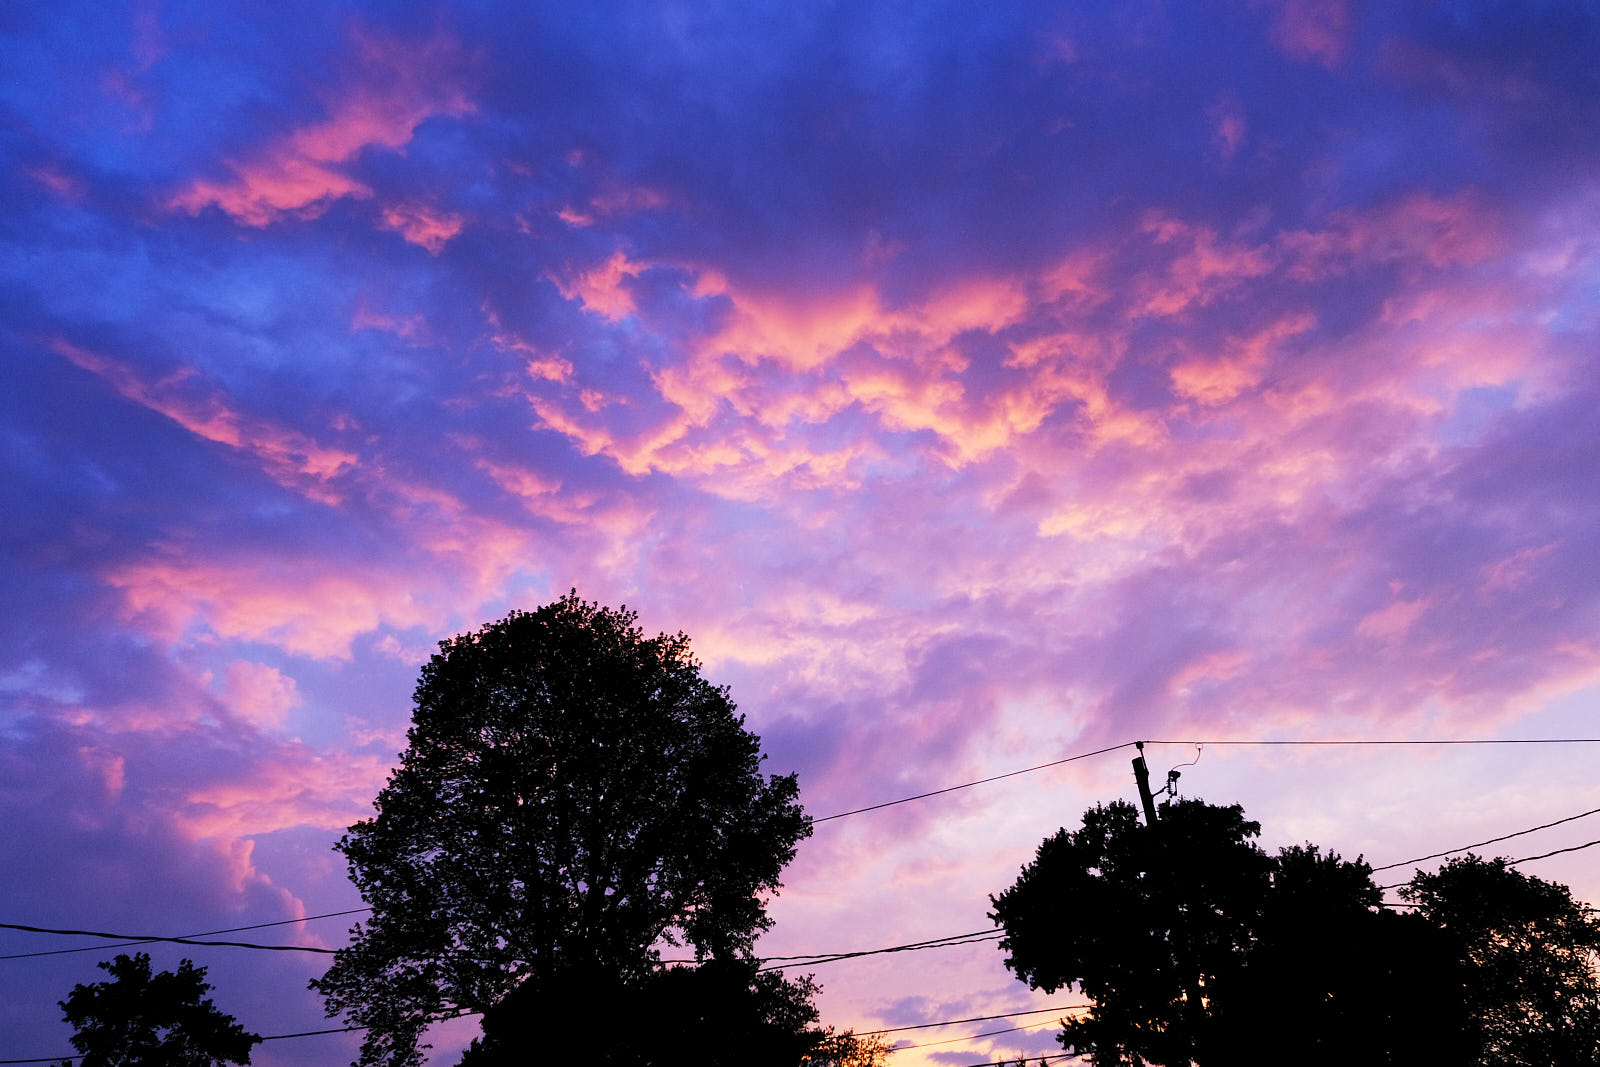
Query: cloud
{"x": 294, "y": 788}
{"x": 395, "y": 86}
{"x": 1316, "y": 31}
{"x": 259, "y": 694}
{"x": 305, "y": 609}
{"x": 292, "y": 458}
{"x": 603, "y": 289}
{"x": 422, "y": 225}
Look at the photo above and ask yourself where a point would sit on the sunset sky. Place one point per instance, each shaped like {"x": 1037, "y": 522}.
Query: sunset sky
{"x": 976, "y": 385}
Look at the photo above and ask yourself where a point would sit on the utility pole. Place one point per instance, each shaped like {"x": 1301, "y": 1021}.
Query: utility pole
{"x": 1141, "y": 774}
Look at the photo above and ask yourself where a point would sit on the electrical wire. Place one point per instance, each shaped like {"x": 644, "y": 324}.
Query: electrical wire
{"x": 1491, "y": 841}
{"x": 1276, "y": 741}
{"x": 269, "y": 1037}
{"x": 1403, "y": 741}
{"x": 975, "y": 1037}
{"x": 138, "y": 939}
{"x": 1556, "y": 852}
{"x": 917, "y": 946}
{"x": 973, "y": 1019}
{"x": 146, "y": 939}
{"x": 969, "y": 785}
{"x": 1524, "y": 859}
{"x": 931, "y": 942}
{"x": 206, "y": 933}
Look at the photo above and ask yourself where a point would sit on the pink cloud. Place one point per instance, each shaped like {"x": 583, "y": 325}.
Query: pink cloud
{"x": 1227, "y": 126}
{"x": 1203, "y": 269}
{"x": 1392, "y": 621}
{"x": 602, "y": 289}
{"x": 412, "y": 328}
{"x": 259, "y": 694}
{"x": 292, "y": 458}
{"x": 397, "y": 86}
{"x": 422, "y": 225}
{"x": 1316, "y": 31}
{"x": 1242, "y": 367}
{"x": 299, "y": 608}
{"x": 1460, "y": 230}
{"x": 58, "y": 182}
{"x": 1413, "y": 62}
{"x": 293, "y": 787}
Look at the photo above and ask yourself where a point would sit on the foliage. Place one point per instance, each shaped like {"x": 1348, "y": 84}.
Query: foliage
{"x": 1529, "y": 953}
{"x": 1144, "y": 922}
{"x": 1198, "y": 947}
{"x": 723, "y": 1013}
{"x": 154, "y": 1020}
{"x": 573, "y": 795}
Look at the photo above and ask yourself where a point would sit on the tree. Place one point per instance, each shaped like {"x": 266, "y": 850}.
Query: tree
{"x": 723, "y": 1013}
{"x": 1198, "y": 947}
{"x": 160, "y": 1020}
{"x": 1528, "y": 951}
{"x": 572, "y": 796}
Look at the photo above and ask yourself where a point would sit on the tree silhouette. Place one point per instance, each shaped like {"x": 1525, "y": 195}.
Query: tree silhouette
{"x": 1198, "y": 947}
{"x": 152, "y": 1020}
{"x": 1528, "y": 951}
{"x": 573, "y": 795}
{"x": 724, "y": 1013}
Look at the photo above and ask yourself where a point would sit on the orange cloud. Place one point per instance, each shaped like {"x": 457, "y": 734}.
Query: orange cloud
{"x": 398, "y": 87}
{"x": 1216, "y": 381}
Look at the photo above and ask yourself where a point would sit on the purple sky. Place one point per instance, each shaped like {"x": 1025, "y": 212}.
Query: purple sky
{"x": 974, "y": 385}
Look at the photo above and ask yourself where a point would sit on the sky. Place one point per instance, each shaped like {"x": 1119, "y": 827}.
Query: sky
{"x": 976, "y": 385}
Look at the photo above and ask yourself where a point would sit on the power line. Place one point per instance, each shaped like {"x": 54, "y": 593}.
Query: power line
{"x": 973, "y": 1019}
{"x": 269, "y": 1037}
{"x": 896, "y": 948}
{"x": 1403, "y": 741}
{"x": 1491, "y": 841}
{"x": 145, "y": 939}
{"x": 1555, "y": 852}
{"x": 969, "y": 785}
{"x": 135, "y": 939}
{"x": 975, "y": 1037}
{"x": 206, "y": 933}
{"x": 1272, "y": 741}
{"x": 916, "y": 946}
{"x": 1524, "y": 859}
{"x": 779, "y": 962}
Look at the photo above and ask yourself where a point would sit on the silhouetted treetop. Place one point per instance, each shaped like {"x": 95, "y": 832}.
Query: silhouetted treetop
{"x": 1528, "y": 951}
{"x": 572, "y": 795}
{"x": 1198, "y": 947}
{"x": 163, "y": 1019}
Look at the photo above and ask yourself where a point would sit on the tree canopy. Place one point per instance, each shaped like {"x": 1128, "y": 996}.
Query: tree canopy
{"x": 1198, "y": 947}
{"x": 724, "y": 1013}
{"x": 1528, "y": 953}
{"x": 573, "y": 795}
{"x": 153, "y": 1020}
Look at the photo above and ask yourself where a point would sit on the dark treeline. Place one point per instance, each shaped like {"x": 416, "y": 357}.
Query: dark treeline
{"x": 575, "y": 795}
{"x": 1198, "y": 947}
